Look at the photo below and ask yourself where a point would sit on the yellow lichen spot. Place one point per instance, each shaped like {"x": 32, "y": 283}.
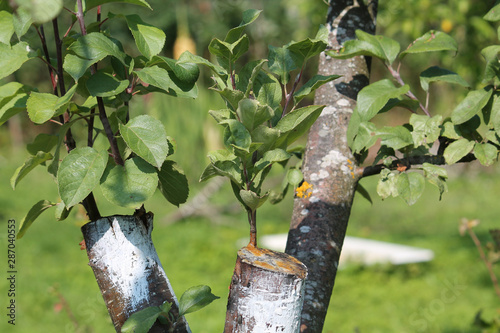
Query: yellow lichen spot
{"x": 349, "y": 161}
{"x": 352, "y": 174}
{"x": 303, "y": 190}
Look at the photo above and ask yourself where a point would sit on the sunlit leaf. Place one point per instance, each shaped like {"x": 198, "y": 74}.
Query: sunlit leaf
{"x": 142, "y": 320}
{"x": 195, "y": 298}
{"x": 372, "y": 98}
{"x": 435, "y": 74}
{"x": 457, "y": 149}
{"x": 32, "y": 215}
{"x": 431, "y": 41}
{"x": 33, "y": 161}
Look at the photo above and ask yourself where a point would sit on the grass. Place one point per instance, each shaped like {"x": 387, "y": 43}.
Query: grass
{"x": 440, "y": 296}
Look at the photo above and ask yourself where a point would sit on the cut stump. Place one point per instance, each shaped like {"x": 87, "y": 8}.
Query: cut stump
{"x": 266, "y": 292}
{"x": 127, "y": 268}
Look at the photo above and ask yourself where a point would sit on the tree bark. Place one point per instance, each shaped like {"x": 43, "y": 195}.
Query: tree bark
{"x": 319, "y": 223}
{"x": 127, "y": 268}
{"x": 266, "y": 292}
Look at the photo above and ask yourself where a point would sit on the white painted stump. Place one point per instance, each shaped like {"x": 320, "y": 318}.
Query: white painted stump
{"x": 266, "y": 292}
{"x": 127, "y": 268}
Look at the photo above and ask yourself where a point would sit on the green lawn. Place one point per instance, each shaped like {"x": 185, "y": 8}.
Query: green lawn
{"x": 440, "y": 296}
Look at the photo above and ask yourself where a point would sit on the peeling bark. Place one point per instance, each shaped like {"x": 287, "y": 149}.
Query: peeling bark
{"x": 127, "y": 268}
{"x": 266, "y": 292}
{"x": 319, "y": 223}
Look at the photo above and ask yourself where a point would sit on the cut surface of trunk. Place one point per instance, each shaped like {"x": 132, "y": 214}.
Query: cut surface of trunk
{"x": 266, "y": 292}
{"x": 127, "y": 268}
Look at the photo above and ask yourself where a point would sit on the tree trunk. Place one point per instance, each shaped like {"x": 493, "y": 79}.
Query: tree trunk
{"x": 319, "y": 223}
{"x": 266, "y": 292}
{"x": 127, "y": 268}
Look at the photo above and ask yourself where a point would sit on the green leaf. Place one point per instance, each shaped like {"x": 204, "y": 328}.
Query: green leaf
{"x": 294, "y": 124}
{"x": 492, "y": 67}
{"x": 142, "y": 320}
{"x": 308, "y": 48}
{"x": 103, "y": 84}
{"x": 431, "y": 41}
{"x": 42, "y": 11}
{"x": 6, "y": 27}
{"x": 232, "y": 97}
{"x": 61, "y": 211}
{"x": 33, "y": 161}
{"x": 436, "y": 176}
{"x": 281, "y": 62}
{"x": 386, "y": 185}
{"x": 147, "y": 138}
{"x": 79, "y": 173}
{"x": 435, "y": 74}
{"x": 294, "y": 177}
{"x": 397, "y": 137}
{"x": 43, "y": 106}
{"x": 94, "y": 3}
{"x": 12, "y": 100}
{"x": 410, "y": 186}
{"x": 76, "y": 66}
{"x": 236, "y": 136}
{"x": 486, "y": 153}
{"x": 457, "y": 149}
{"x": 195, "y": 298}
{"x": 265, "y": 135}
{"x": 426, "y": 130}
{"x": 129, "y": 185}
{"x": 188, "y": 57}
{"x": 96, "y": 46}
{"x": 249, "y": 16}
{"x": 54, "y": 166}
{"x": 229, "y": 52}
{"x": 251, "y": 200}
{"x": 22, "y": 21}
{"x": 160, "y": 78}
{"x": 493, "y": 14}
{"x": 372, "y": 98}
{"x": 364, "y": 138}
{"x": 249, "y": 75}
{"x": 149, "y": 39}
{"x": 364, "y": 193}
{"x": 43, "y": 142}
{"x": 270, "y": 157}
{"x": 252, "y": 114}
{"x": 367, "y": 44}
{"x": 184, "y": 74}
{"x": 12, "y": 58}
{"x": 314, "y": 83}
{"x": 173, "y": 184}
{"x": 32, "y": 215}
{"x": 471, "y": 105}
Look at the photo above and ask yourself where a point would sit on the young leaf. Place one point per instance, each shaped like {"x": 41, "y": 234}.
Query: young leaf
{"x": 160, "y": 78}
{"x": 375, "y": 96}
{"x": 386, "y": 185}
{"x": 493, "y": 14}
{"x": 62, "y": 212}
{"x": 435, "y": 74}
{"x": 457, "y": 149}
{"x": 129, "y": 185}
{"x": 308, "y": 48}
{"x": 367, "y": 44}
{"x": 33, "y": 161}
{"x": 236, "y": 136}
{"x": 96, "y": 46}
{"x": 471, "y": 105}
{"x": 296, "y": 123}
{"x": 43, "y": 142}
{"x": 12, "y": 58}
{"x": 492, "y": 67}
{"x": 142, "y": 320}
{"x": 252, "y": 114}
{"x": 396, "y": 137}
{"x": 76, "y": 66}
{"x": 364, "y": 137}
{"x": 195, "y": 298}
{"x": 436, "y": 176}
{"x": 32, "y": 215}
{"x": 172, "y": 183}
{"x": 281, "y": 63}
{"x": 270, "y": 157}
{"x": 486, "y": 153}
{"x": 149, "y": 39}
{"x": 314, "y": 83}
{"x": 79, "y": 173}
{"x": 249, "y": 16}
{"x": 6, "y": 27}
{"x": 431, "y": 41}
{"x": 425, "y": 129}
{"x": 103, "y": 84}
{"x": 251, "y": 200}
{"x": 43, "y": 106}
{"x": 147, "y": 138}
{"x": 410, "y": 186}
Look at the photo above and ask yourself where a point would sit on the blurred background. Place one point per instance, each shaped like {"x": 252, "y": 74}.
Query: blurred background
{"x": 56, "y": 289}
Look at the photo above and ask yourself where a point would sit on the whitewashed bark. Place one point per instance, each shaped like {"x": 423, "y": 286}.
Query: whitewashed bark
{"x": 266, "y": 292}
{"x": 127, "y": 268}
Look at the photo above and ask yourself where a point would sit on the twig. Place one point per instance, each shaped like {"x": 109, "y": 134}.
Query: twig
{"x": 395, "y": 74}
{"x": 477, "y": 242}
